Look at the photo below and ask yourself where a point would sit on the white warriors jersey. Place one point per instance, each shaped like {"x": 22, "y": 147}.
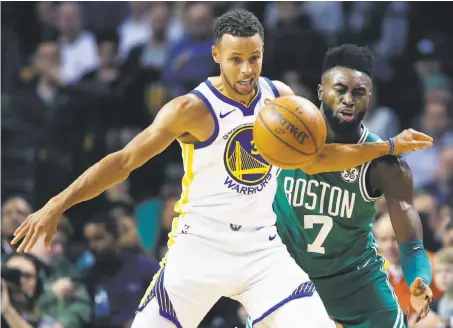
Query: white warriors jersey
{"x": 225, "y": 178}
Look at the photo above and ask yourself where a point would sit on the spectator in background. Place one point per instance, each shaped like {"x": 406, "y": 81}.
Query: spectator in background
{"x": 382, "y": 120}
{"x": 14, "y": 211}
{"x": 64, "y": 298}
{"x": 19, "y": 298}
{"x": 435, "y": 122}
{"x": 286, "y": 40}
{"x": 134, "y": 30}
{"x": 107, "y": 73}
{"x": 144, "y": 64}
{"x": 47, "y": 20}
{"x": 443, "y": 277}
{"x": 128, "y": 234}
{"x": 190, "y": 60}
{"x": 438, "y": 88}
{"x": 442, "y": 185}
{"x": 78, "y": 47}
{"x": 153, "y": 52}
{"x": 388, "y": 248}
{"x": 50, "y": 118}
{"x": 117, "y": 280}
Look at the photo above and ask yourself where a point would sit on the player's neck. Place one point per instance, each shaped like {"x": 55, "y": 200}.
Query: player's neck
{"x": 224, "y": 88}
{"x": 350, "y": 138}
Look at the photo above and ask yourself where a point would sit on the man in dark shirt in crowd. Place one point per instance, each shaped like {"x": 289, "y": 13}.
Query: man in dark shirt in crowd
{"x": 117, "y": 280}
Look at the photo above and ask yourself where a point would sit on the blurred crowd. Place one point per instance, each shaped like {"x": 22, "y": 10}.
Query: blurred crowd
{"x": 80, "y": 80}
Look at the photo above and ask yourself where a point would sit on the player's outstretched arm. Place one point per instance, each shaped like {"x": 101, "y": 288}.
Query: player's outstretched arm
{"x": 174, "y": 119}
{"x": 392, "y": 176}
{"x": 339, "y": 157}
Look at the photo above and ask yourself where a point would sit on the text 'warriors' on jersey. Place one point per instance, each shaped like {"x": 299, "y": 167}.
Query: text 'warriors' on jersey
{"x": 226, "y": 179}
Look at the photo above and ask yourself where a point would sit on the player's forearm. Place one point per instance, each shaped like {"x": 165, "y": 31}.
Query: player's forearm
{"x": 339, "y": 157}
{"x": 98, "y": 178}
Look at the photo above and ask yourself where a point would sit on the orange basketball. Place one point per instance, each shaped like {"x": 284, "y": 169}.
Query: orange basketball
{"x": 289, "y": 131}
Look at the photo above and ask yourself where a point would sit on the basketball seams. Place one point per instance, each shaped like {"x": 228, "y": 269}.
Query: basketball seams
{"x": 266, "y": 156}
{"x": 283, "y": 141}
{"x": 303, "y": 123}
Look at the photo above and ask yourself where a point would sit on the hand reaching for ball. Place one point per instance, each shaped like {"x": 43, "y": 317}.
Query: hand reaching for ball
{"x": 411, "y": 140}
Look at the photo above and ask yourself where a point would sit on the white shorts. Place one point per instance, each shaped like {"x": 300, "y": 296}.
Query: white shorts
{"x": 211, "y": 259}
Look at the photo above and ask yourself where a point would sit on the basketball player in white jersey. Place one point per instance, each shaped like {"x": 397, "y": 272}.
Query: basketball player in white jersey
{"x": 224, "y": 243}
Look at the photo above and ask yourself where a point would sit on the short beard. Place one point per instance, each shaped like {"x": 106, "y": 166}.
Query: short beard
{"x": 343, "y": 130}
{"x": 234, "y": 88}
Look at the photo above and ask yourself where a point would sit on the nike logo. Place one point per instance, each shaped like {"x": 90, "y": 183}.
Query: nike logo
{"x": 272, "y": 237}
{"x": 223, "y": 115}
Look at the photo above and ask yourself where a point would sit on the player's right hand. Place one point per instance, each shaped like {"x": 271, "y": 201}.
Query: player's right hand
{"x": 411, "y": 140}
{"x": 44, "y": 221}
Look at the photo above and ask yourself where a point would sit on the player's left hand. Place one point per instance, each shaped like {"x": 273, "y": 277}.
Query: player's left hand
{"x": 421, "y": 297}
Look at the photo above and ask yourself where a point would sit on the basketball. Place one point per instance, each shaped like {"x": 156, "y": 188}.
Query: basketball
{"x": 289, "y": 131}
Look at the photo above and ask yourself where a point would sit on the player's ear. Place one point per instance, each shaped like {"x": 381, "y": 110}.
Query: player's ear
{"x": 215, "y": 53}
{"x": 320, "y": 92}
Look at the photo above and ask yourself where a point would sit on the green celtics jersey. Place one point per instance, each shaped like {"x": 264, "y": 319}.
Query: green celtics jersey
{"x": 325, "y": 219}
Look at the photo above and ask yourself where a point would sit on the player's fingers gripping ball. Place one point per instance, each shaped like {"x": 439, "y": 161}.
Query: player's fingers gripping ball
{"x": 289, "y": 131}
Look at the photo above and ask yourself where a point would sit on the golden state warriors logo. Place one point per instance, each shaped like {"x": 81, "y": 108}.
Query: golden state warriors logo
{"x": 248, "y": 171}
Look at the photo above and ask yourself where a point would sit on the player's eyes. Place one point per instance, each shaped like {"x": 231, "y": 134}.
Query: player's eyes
{"x": 236, "y": 59}
{"x": 254, "y": 58}
{"x": 340, "y": 91}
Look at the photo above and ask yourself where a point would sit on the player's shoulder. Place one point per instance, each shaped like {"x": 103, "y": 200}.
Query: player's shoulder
{"x": 390, "y": 170}
{"x": 189, "y": 105}
{"x": 283, "y": 89}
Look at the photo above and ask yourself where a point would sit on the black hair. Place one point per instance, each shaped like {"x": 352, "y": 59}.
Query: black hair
{"x": 108, "y": 221}
{"x": 240, "y": 23}
{"x": 107, "y": 35}
{"x": 351, "y": 56}
{"x": 42, "y": 272}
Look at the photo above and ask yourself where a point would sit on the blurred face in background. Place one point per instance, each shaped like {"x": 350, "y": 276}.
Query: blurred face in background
{"x": 28, "y": 279}
{"x": 386, "y": 240}
{"x": 101, "y": 243}
{"x": 435, "y": 119}
{"x": 107, "y": 53}
{"x": 69, "y": 20}
{"x": 198, "y": 20}
{"x": 47, "y": 12}
{"x": 138, "y": 8}
{"x": 128, "y": 232}
{"x": 160, "y": 16}
{"x": 14, "y": 212}
{"x": 443, "y": 277}
{"x": 47, "y": 58}
{"x": 445, "y": 168}
{"x": 57, "y": 245}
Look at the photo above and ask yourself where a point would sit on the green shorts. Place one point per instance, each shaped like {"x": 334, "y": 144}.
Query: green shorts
{"x": 362, "y": 298}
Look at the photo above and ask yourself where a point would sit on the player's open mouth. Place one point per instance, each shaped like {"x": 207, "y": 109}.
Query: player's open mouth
{"x": 246, "y": 83}
{"x": 347, "y": 114}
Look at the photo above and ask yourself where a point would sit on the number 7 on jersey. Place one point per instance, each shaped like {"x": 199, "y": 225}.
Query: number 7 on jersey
{"x": 327, "y": 224}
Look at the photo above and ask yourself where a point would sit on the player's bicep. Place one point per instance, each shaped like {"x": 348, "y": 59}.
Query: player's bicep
{"x": 394, "y": 179}
{"x": 173, "y": 120}
{"x": 283, "y": 89}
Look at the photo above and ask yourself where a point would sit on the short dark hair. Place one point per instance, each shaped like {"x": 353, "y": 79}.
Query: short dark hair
{"x": 240, "y": 23}
{"x": 351, "y": 56}
{"x": 108, "y": 221}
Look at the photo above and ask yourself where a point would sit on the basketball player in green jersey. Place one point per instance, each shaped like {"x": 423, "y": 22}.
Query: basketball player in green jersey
{"x": 325, "y": 219}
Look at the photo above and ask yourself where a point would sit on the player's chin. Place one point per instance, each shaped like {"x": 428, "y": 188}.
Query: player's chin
{"x": 244, "y": 91}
